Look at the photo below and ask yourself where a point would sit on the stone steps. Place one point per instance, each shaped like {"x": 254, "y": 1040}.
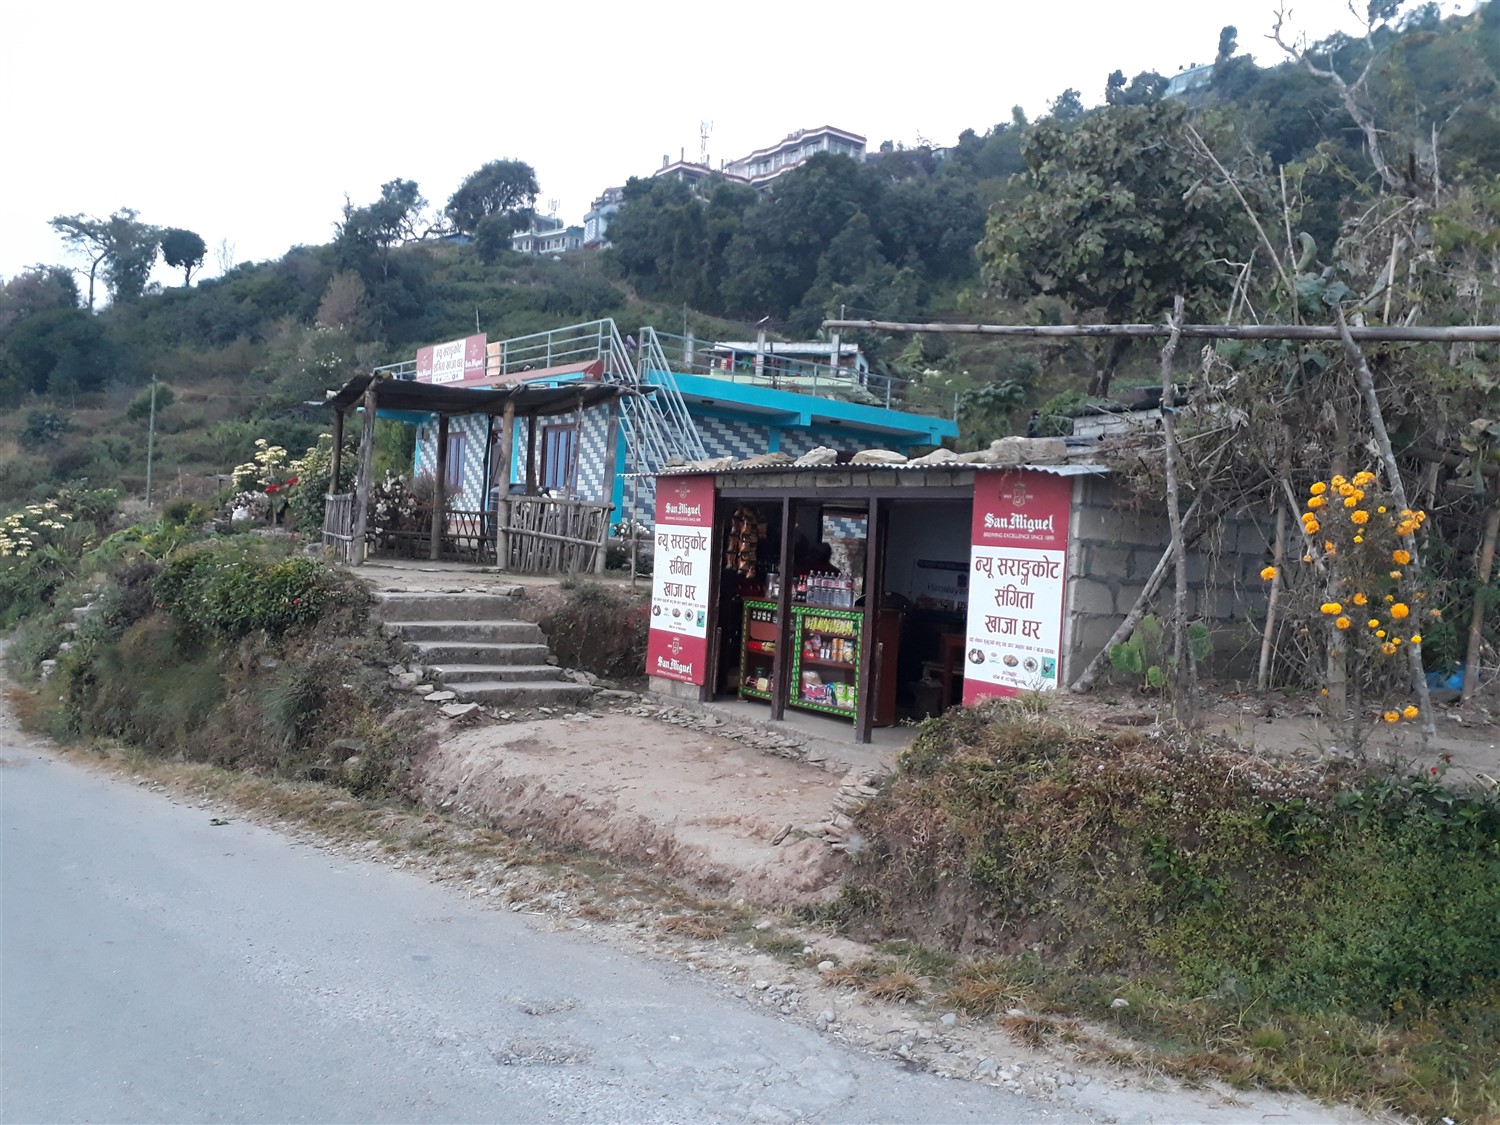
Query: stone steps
{"x": 533, "y": 693}
{"x": 452, "y": 675}
{"x": 477, "y": 648}
{"x": 478, "y": 652}
{"x": 523, "y": 632}
{"x": 413, "y": 607}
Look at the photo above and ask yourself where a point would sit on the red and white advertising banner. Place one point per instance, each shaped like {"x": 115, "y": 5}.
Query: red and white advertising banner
{"x": 1017, "y": 573}
{"x": 457, "y": 361}
{"x": 677, "y": 646}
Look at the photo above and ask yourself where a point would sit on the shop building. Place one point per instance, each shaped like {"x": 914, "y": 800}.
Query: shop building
{"x": 872, "y": 593}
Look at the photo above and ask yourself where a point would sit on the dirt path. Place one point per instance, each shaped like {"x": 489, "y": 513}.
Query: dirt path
{"x": 726, "y": 818}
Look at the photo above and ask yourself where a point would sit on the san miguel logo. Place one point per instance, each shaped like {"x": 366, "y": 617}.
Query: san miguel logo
{"x": 1019, "y": 521}
{"x": 684, "y": 490}
{"x": 1020, "y": 495}
{"x": 675, "y": 648}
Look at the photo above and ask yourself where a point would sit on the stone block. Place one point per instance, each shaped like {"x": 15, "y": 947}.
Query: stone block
{"x": 1107, "y": 562}
{"x": 1090, "y": 597}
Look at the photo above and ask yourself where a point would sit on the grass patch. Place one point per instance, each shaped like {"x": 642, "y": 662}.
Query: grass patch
{"x": 1325, "y": 928}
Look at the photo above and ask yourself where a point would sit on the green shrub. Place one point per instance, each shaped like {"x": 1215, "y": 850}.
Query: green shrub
{"x": 224, "y": 591}
{"x": 1314, "y": 885}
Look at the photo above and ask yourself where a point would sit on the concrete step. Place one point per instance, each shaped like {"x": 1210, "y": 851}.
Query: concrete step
{"x": 445, "y": 607}
{"x": 536, "y": 693}
{"x": 453, "y": 674}
{"x": 478, "y": 652}
{"x": 515, "y": 632}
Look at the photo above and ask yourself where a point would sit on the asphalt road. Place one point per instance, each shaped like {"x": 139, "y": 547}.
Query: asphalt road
{"x": 154, "y": 967}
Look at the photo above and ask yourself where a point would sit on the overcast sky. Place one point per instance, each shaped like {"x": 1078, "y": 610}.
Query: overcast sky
{"x": 249, "y": 123}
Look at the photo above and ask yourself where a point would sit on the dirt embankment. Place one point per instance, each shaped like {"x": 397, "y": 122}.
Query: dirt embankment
{"x": 693, "y": 805}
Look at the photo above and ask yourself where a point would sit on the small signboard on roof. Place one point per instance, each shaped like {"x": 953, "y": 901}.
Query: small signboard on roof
{"x": 457, "y": 361}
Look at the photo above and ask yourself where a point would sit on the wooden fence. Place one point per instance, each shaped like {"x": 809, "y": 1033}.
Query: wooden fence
{"x": 553, "y": 535}
{"x": 338, "y": 525}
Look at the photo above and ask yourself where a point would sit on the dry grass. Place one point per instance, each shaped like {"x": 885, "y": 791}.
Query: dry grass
{"x": 699, "y": 927}
{"x": 897, "y": 984}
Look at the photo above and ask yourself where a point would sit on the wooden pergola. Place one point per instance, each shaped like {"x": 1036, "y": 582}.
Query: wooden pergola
{"x": 346, "y": 522}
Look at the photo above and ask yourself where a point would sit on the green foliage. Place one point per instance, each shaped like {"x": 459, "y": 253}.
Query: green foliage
{"x": 1317, "y": 888}
{"x": 224, "y": 591}
{"x": 183, "y": 250}
{"x": 1112, "y": 227}
{"x": 307, "y": 498}
{"x": 43, "y": 427}
{"x": 140, "y": 406}
{"x": 503, "y": 189}
{"x": 1147, "y": 653}
{"x": 122, "y": 246}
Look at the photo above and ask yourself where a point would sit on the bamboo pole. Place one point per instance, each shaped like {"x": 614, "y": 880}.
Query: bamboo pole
{"x": 1385, "y": 334}
{"x": 1476, "y": 620}
{"x": 1122, "y": 633}
{"x": 1184, "y": 705}
{"x": 1278, "y": 557}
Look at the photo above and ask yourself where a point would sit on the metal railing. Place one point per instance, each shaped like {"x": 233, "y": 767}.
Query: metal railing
{"x": 777, "y": 370}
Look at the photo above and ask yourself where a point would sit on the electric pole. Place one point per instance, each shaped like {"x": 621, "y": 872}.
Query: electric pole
{"x": 151, "y": 440}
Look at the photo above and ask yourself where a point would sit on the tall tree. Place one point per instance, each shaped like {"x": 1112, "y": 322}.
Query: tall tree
{"x": 389, "y": 221}
{"x": 1119, "y": 219}
{"x": 501, "y": 187}
{"x": 121, "y": 248}
{"x": 183, "y": 250}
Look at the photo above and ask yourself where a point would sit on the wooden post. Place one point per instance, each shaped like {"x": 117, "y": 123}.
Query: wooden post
{"x": 781, "y": 663}
{"x": 502, "y": 475}
{"x": 866, "y": 686}
{"x": 358, "y": 550}
{"x": 531, "y": 457}
{"x": 439, "y": 490}
{"x": 338, "y": 453}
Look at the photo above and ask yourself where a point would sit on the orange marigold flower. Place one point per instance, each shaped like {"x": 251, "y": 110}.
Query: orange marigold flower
{"x": 1359, "y": 538}
{"x": 1364, "y": 477}
{"x": 1394, "y": 574}
{"x": 1388, "y": 648}
{"x": 1330, "y": 547}
{"x": 1400, "y": 610}
{"x": 1381, "y": 509}
{"x": 1338, "y": 480}
{"x": 1373, "y": 623}
{"x": 1410, "y": 711}
{"x": 1268, "y": 573}
{"x": 1331, "y": 608}
{"x": 1311, "y": 526}
{"x": 1360, "y": 599}
{"x": 1315, "y": 502}
{"x": 1307, "y": 558}
{"x": 1416, "y": 638}
{"x": 1401, "y": 555}
{"x": 1318, "y": 488}
{"x": 1342, "y": 623}
{"x": 1360, "y": 516}
{"x": 1392, "y": 716}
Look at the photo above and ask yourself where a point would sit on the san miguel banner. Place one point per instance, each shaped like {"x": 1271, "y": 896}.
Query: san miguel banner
{"x": 677, "y": 647}
{"x": 1017, "y": 571}
{"x": 457, "y": 361}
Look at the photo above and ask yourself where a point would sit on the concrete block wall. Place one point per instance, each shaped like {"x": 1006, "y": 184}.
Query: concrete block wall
{"x": 1117, "y": 541}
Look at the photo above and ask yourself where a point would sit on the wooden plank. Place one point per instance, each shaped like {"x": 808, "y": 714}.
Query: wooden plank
{"x": 338, "y": 453}
{"x": 864, "y": 704}
{"x": 502, "y": 475}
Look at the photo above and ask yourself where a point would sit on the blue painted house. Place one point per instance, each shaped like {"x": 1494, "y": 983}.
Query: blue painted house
{"x": 691, "y": 407}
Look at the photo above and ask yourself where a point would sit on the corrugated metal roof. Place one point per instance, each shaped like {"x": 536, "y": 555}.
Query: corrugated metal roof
{"x": 1070, "y": 470}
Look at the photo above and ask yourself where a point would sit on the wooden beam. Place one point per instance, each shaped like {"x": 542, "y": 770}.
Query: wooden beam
{"x": 1391, "y": 334}
{"x": 439, "y": 488}
{"x": 503, "y": 467}
{"x": 358, "y": 550}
